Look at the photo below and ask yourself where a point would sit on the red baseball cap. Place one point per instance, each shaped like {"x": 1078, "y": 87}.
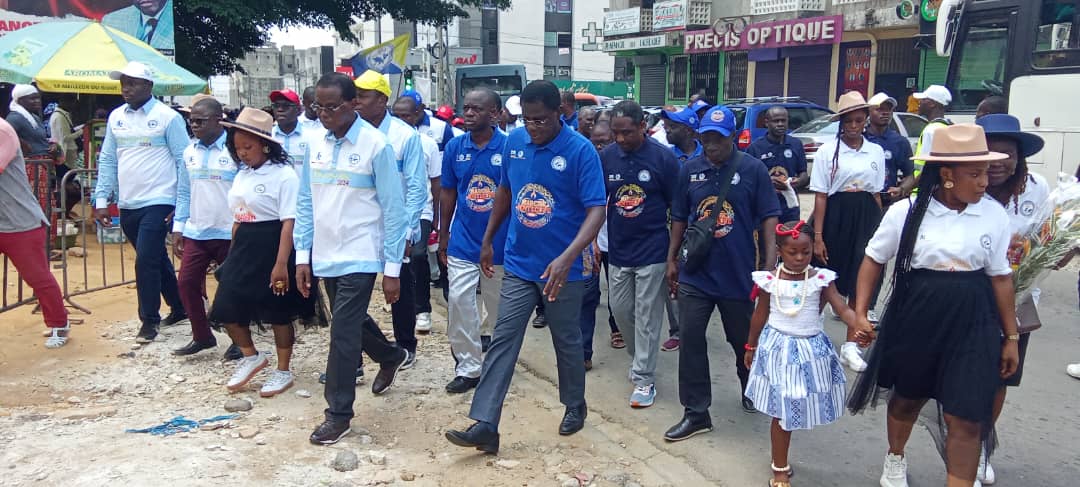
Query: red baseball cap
{"x": 287, "y": 94}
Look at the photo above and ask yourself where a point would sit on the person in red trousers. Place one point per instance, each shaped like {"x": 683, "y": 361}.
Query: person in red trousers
{"x": 23, "y": 230}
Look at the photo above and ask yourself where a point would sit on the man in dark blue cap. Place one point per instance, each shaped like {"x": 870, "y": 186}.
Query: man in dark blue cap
{"x": 724, "y": 283}
{"x": 681, "y": 127}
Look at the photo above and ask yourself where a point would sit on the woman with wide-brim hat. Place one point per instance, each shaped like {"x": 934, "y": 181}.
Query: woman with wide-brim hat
{"x": 257, "y": 281}
{"x": 847, "y": 179}
{"x": 941, "y": 336}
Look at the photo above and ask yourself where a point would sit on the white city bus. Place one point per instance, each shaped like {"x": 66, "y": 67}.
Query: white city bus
{"x": 1027, "y": 51}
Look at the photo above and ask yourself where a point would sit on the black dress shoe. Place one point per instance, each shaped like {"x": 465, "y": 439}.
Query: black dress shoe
{"x": 480, "y": 436}
{"x": 687, "y": 428}
{"x": 573, "y": 420}
{"x": 461, "y": 384}
{"x": 329, "y": 432}
{"x": 174, "y": 318}
{"x": 232, "y": 353}
{"x": 387, "y": 373}
{"x": 748, "y": 405}
{"x": 147, "y": 333}
{"x": 485, "y": 343}
{"x": 540, "y": 321}
{"x": 193, "y": 347}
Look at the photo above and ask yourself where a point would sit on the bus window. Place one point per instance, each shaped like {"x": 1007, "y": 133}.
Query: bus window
{"x": 980, "y": 71}
{"x": 503, "y": 85}
{"x": 1057, "y": 36}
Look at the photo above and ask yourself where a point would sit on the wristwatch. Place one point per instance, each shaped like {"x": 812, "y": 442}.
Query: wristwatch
{"x": 1014, "y": 337}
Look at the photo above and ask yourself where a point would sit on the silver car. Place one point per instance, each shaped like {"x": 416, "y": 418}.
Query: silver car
{"x": 820, "y": 130}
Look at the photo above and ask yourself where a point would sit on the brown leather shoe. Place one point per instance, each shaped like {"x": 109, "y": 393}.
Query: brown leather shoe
{"x": 387, "y": 373}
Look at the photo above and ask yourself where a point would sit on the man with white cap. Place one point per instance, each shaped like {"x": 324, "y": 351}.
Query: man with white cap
{"x": 511, "y": 114}
{"x": 142, "y": 166}
{"x": 932, "y": 103}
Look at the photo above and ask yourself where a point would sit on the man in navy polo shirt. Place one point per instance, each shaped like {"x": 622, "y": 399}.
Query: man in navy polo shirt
{"x": 552, "y": 191}
{"x": 681, "y": 127}
{"x": 641, "y": 175}
{"x": 784, "y": 157}
{"x": 896, "y": 146}
{"x": 724, "y": 282}
{"x": 472, "y": 166}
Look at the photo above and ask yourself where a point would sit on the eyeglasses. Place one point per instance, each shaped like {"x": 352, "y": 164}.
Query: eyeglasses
{"x": 317, "y": 108}
{"x": 201, "y": 120}
{"x": 543, "y": 122}
{"x": 283, "y": 105}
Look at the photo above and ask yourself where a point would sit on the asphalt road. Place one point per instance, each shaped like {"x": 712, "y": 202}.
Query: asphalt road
{"x": 1039, "y": 429}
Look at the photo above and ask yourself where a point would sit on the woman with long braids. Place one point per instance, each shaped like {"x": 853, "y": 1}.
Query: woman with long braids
{"x": 1021, "y": 193}
{"x": 257, "y": 281}
{"x": 848, "y": 177}
{"x": 949, "y": 330}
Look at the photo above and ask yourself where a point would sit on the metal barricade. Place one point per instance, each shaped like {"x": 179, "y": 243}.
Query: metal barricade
{"x": 38, "y": 172}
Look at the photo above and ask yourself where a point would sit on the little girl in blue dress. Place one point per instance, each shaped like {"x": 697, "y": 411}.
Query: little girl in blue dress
{"x": 795, "y": 374}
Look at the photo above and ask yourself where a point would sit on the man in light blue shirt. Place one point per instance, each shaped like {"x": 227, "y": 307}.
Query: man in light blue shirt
{"x": 142, "y": 166}
{"x": 150, "y": 21}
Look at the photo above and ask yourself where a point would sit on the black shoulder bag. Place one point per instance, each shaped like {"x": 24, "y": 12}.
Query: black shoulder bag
{"x": 698, "y": 240}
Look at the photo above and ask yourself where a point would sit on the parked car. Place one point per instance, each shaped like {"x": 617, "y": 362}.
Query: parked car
{"x": 750, "y": 115}
{"x": 816, "y": 132}
{"x": 589, "y": 99}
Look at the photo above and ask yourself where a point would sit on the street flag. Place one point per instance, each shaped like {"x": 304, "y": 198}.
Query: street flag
{"x": 385, "y": 58}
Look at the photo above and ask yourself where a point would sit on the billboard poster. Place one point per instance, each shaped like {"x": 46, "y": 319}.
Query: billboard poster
{"x": 150, "y": 21}
{"x": 669, "y": 15}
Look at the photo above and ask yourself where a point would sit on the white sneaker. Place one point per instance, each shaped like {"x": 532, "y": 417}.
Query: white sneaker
{"x": 246, "y": 368}
{"x": 851, "y": 357}
{"x": 986, "y": 472}
{"x": 894, "y": 472}
{"x": 279, "y": 381}
{"x": 423, "y": 323}
{"x": 1073, "y": 370}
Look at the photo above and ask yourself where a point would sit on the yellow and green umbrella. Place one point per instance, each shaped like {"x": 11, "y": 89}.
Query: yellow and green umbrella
{"x": 77, "y": 56}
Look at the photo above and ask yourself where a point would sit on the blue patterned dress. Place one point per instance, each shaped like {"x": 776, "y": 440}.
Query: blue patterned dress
{"x": 796, "y": 376}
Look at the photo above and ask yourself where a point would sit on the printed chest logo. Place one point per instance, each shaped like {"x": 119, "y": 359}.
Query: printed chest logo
{"x": 888, "y": 155}
{"x": 535, "y": 206}
{"x": 224, "y": 161}
{"x": 152, "y": 124}
{"x": 517, "y": 154}
{"x": 480, "y": 195}
{"x": 354, "y": 160}
{"x": 614, "y": 177}
{"x": 260, "y": 189}
{"x": 1027, "y": 208}
{"x": 986, "y": 241}
{"x": 303, "y": 145}
{"x": 767, "y": 155}
{"x": 120, "y": 124}
{"x": 873, "y": 165}
{"x": 191, "y": 162}
{"x": 644, "y": 176}
{"x": 699, "y": 177}
{"x": 558, "y": 163}
{"x": 725, "y": 221}
{"x": 496, "y": 160}
{"x": 464, "y": 158}
{"x": 629, "y": 201}
{"x": 788, "y": 154}
{"x": 243, "y": 214}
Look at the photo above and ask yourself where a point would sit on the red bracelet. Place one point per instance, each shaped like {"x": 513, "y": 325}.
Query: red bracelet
{"x": 749, "y": 348}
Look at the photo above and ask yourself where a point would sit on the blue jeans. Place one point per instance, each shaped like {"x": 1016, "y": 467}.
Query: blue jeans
{"x": 155, "y": 276}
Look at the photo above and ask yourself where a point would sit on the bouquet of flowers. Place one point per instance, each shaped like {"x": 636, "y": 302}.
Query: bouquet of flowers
{"x": 1049, "y": 243}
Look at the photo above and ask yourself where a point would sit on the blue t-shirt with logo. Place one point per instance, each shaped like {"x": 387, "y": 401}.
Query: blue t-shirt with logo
{"x": 750, "y": 200}
{"x": 640, "y": 187}
{"x": 897, "y": 154}
{"x": 786, "y": 158}
{"x": 474, "y": 173}
{"x": 551, "y": 186}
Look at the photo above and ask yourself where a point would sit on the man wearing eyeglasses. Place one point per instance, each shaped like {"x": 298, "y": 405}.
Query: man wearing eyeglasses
{"x": 552, "y": 192}
{"x": 288, "y": 130}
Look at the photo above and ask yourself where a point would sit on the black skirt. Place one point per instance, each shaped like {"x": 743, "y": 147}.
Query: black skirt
{"x": 850, "y": 221}
{"x": 940, "y": 338}
{"x": 243, "y": 294}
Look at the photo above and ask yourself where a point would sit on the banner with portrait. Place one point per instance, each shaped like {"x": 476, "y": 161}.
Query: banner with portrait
{"x": 150, "y": 21}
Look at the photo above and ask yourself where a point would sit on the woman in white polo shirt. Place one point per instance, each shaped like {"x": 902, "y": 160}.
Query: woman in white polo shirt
{"x": 257, "y": 281}
{"x": 941, "y": 336}
{"x": 848, "y": 177}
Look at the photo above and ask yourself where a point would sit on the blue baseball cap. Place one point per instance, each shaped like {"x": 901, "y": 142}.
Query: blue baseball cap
{"x": 686, "y": 116}
{"x": 414, "y": 95}
{"x": 718, "y": 119}
{"x": 698, "y": 105}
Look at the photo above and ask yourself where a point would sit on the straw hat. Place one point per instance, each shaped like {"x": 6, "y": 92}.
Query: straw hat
{"x": 255, "y": 122}
{"x": 194, "y": 100}
{"x": 850, "y": 102}
{"x": 960, "y": 143}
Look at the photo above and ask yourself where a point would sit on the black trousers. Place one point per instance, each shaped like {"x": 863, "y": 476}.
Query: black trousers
{"x": 374, "y": 344}
{"x": 422, "y": 270}
{"x": 403, "y": 312}
{"x": 695, "y": 380}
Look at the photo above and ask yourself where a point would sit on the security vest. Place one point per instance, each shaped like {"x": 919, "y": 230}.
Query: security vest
{"x": 936, "y": 124}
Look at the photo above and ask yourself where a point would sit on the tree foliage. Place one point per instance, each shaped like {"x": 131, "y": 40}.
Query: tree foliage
{"x": 211, "y": 35}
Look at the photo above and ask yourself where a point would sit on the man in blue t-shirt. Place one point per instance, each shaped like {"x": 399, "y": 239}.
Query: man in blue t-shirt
{"x": 897, "y": 148}
{"x": 641, "y": 175}
{"x": 552, "y": 192}
{"x": 724, "y": 282}
{"x": 785, "y": 159}
{"x": 472, "y": 165}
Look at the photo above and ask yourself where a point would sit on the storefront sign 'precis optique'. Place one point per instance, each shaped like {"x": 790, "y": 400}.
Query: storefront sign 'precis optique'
{"x": 783, "y": 33}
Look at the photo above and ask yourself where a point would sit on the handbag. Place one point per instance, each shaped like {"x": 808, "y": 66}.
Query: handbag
{"x": 698, "y": 240}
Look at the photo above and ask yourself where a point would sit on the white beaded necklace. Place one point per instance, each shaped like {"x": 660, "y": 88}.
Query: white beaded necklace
{"x": 798, "y": 301}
